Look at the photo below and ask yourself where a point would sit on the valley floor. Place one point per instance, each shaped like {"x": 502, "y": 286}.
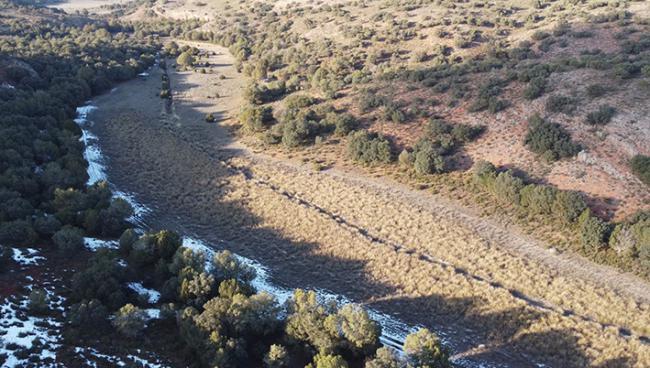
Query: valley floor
{"x": 494, "y": 295}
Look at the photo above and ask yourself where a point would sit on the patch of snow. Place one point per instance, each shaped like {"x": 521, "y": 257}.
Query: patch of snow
{"x": 139, "y": 210}
{"x": 143, "y": 74}
{"x": 7, "y": 85}
{"x": 20, "y": 331}
{"x": 144, "y": 363}
{"x": 152, "y": 295}
{"x": 27, "y": 256}
{"x": 92, "y": 153}
{"x": 152, "y": 313}
{"x": 113, "y": 89}
{"x": 116, "y": 361}
{"x": 94, "y": 244}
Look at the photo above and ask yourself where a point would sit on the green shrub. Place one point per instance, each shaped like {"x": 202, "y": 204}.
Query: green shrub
{"x": 484, "y": 174}
{"x": 343, "y": 123}
{"x": 423, "y": 349}
{"x": 406, "y": 158}
{"x": 428, "y": 159}
{"x": 549, "y": 139}
{"x": 601, "y": 116}
{"x": 538, "y": 199}
{"x": 535, "y": 88}
{"x": 296, "y": 132}
{"x": 130, "y": 320}
{"x": 69, "y": 239}
{"x": 507, "y": 187}
{"x": 276, "y": 357}
{"x": 640, "y": 166}
{"x": 369, "y": 148}
{"x": 298, "y": 101}
{"x": 595, "y": 90}
{"x": 559, "y": 103}
{"x": 568, "y": 205}
{"x": 89, "y": 315}
{"x": 256, "y": 118}
{"x": 466, "y": 133}
{"x": 185, "y": 59}
{"x": 594, "y": 232}
{"x": 38, "y": 301}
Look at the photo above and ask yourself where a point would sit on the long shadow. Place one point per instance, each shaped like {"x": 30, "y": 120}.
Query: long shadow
{"x": 481, "y": 336}
{"x": 182, "y": 170}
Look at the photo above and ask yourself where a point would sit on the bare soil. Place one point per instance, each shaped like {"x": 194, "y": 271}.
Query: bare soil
{"x": 494, "y": 295}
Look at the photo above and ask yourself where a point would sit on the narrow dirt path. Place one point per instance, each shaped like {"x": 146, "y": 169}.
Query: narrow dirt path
{"x": 494, "y": 295}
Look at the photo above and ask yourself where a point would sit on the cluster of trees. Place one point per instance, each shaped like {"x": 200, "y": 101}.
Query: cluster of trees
{"x": 629, "y": 238}
{"x": 221, "y": 319}
{"x": 51, "y": 69}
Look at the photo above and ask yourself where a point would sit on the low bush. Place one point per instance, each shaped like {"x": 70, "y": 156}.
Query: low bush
{"x": 69, "y": 239}
{"x": 343, "y": 123}
{"x": 428, "y": 158}
{"x": 369, "y": 148}
{"x": 640, "y": 165}
{"x": 256, "y": 118}
{"x": 549, "y": 139}
{"x": 601, "y": 116}
{"x": 595, "y": 90}
{"x": 535, "y": 88}
{"x": 594, "y": 232}
{"x": 560, "y": 103}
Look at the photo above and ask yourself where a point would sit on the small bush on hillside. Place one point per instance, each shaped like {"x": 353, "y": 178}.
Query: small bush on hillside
{"x": 298, "y": 101}
{"x": 343, "y": 123}
{"x": 549, "y": 139}
{"x": 633, "y": 236}
{"x": 595, "y": 90}
{"x": 256, "y": 118}
{"x": 538, "y": 199}
{"x": 568, "y": 205}
{"x": 535, "y": 88}
{"x": 601, "y": 116}
{"x": 185, "y": 59}
{"x": 594, "y": 232}
{"x": 38, "y": 303}
{"x": 69, "y": 239}
{"x": 559, "y": 103}
{"x": 484, "y": 174}
{"x": 507, "y": 188}
{"x": 424, "y": 350}
{"x": 130, "y": 320}
{"x": 89, "y": 315}
{"x": 369, "y": 148}
{"x": 428, "y": 159}
{"x": 640, "y": 166}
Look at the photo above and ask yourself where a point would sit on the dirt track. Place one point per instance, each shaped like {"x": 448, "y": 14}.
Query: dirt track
{"x": 416, "y": 256}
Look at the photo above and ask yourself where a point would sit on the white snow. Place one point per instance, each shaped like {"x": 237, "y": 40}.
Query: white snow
{"x": 136, "y": 361}
{"x": 7, "y": 85}
{"x": 152, "y": 295}
{"x": 143, "y": 74}
{"x": 94, "y": 244}
{"x": 27, "y": 256}
{"x": 92, "y": 153}
{"x": 139, "y": 210}
{"x": 152, "y": 313}
{"x": 19, "y": 331}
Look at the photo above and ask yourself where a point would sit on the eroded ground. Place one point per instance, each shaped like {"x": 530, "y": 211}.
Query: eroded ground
{"x": 495, "y": 295}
